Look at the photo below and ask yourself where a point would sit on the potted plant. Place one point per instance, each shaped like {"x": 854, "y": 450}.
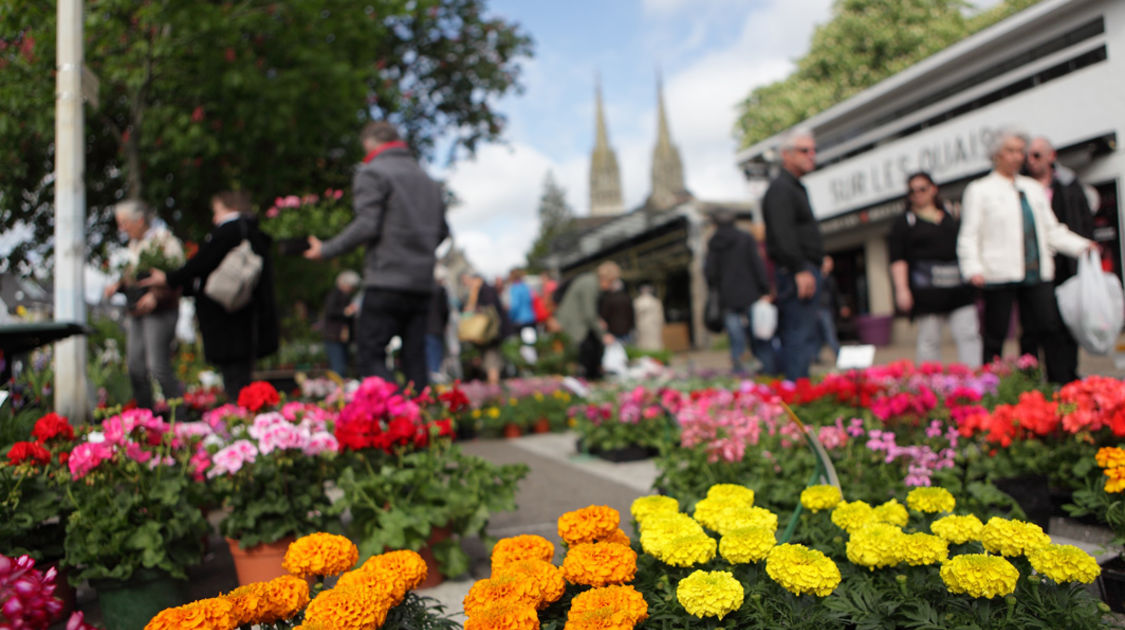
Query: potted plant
{"x": 268, "y": 471}
{"x": 405, "y": 483}
{"x": 155, "y": 255}
{"x": 629, "y": 429}
{"x": 135, "y": 525}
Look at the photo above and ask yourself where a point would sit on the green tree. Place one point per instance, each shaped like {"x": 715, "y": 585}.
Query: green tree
{"x": 555, "y": 219}
{"x": 264, "y": 96}
{"x": 865, "y": 42}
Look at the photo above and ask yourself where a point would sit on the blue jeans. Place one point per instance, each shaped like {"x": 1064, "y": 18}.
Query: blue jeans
{"x": 435, "y": 353}
{"x": 739, "y": 324}
{"x": 337, "y": 353}
{"x": 826, "y": 326}
{"x": 797, "y": 323}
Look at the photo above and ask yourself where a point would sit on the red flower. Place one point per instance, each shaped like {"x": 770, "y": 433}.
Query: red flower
{"x": 401, "y": 431}
{"x": 257, "y": 395}
{"x": 455, "y": 399}
{"x": 24, "y": 451}
{"x": 51, "y": 426}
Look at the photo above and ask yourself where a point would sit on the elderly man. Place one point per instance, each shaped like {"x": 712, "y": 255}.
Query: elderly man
{"x": 1068, "y": 200}
{"x": 1008, "y": 233}
{"x": 793, "y": 243}
{"x": 578, "y": 316}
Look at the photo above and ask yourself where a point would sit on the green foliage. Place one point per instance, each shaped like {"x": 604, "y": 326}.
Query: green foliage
{"x": 555, "y": 218}
{"x": 396, "y": 501}
{"x": 268, "y": 97}
{"x": 417, "y": 612}
{"x": 553, "y": 354}
{"x": 32, "y": 519}
{"x": 863, "y": 43}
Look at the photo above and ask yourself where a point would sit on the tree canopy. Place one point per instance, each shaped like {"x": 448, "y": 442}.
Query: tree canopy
{"x": 863, "y": 43}
{"x": 262, "y": 96}
{"x": 555, "y": 218}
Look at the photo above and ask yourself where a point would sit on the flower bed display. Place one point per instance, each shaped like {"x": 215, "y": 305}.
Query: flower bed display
{"x": 849, "y": 564}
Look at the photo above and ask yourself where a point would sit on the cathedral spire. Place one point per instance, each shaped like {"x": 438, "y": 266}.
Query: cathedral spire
{"x": 605, "y": 178}
{"x": 667, "y": 169}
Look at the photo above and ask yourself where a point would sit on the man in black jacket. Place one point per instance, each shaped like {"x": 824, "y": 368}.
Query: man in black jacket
{"x": 1068, "y": 200}
{"x": 400, "y": 219}
{"x": 735, "y": 269}
{"x": 793, "y": 243}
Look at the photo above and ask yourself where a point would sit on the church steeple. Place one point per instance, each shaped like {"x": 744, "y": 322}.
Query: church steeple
{"x": 605, "y": 178}
{"x": 667, "y": 169}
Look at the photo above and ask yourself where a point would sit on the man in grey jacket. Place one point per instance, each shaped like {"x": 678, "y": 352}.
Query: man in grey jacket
{"x": 400, "y": 219}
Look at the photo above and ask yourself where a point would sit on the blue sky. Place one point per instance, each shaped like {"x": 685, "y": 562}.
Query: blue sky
{"x": 711, "y": 54}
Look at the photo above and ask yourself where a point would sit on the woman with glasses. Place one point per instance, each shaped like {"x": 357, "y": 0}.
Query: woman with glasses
{"x": 927, "y": 280}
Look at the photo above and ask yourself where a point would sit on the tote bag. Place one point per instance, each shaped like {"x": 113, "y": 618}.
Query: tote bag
{"x": 232, "y": 283}
{"x": 481, "y": 327}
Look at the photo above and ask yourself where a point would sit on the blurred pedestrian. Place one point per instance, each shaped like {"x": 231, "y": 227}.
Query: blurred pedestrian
{"x": 484, "y": 299}
{"x": 400, "y": 220}
{"x": 521, "y": 309}
{"x": 829, "y": 307}
{"x": 436, "y": 324}
{"x": 231, "y": 340}
{"x": 650, "y": 320}
{"x": 794, "y": 244}
{"x": 578, "y": 317}
{"x": 615, "y": 307}
{"x": 734, "y": 268}
{"x": 927, "y": 281}
{"x": 337, "y": 322}
{"x": 150, "y": 323}
{"x": 1005, "y": 246}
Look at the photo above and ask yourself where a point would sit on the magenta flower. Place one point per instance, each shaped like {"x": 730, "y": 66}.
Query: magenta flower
{"x": 87, "y": 456}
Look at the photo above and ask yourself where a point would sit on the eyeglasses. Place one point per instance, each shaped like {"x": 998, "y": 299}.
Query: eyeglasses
{"x": 920, "y": 189}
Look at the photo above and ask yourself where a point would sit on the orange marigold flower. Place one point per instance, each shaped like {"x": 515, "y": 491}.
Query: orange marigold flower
{"x": 511, "y": 589}
{"x": 503, "y": 616}
{"x": 607, "y": 607}
{"x": 618, "y": 536}
{"x": 1110, "y": 457}
{"x": 596, "y": 522}
{"x": 544, "y": 576}
{"x": 320, "y": 554}
{"x": 405, "y": 568}
{"x": 526, "y": 547}
{"x": 248, "y": 603}
{"x": 205, "y": 614}
{"x": 598, "y": 564}
{"x": 347, "y": 608}
{"x": 287, "y": 595}
{"x": 378, "y": 582}
{"x": 1116, "y": 481}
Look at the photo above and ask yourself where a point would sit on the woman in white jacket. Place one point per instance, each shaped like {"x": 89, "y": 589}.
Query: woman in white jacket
{"x": 1009, "y": 236}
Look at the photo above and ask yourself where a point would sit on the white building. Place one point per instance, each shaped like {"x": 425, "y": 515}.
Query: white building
{"x": 1056, "y": 69}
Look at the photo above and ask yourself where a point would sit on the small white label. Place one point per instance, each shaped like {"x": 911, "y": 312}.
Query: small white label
{"x": 855, "y": 357}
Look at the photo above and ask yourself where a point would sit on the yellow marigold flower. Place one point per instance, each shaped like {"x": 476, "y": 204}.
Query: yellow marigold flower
{"x": 644, "y": 507}
{"x": 607, "y": 607}
{"x": 747, "y": 544}
{"x": 512, "y": 589}
{"x": 687, "y": 550}
{"x": 849, "y": 516}
{"x": 821, "y": 497}
{"x": 599, "y": 564}
{"x": 659, "y": 530}
{"x": 958, "y": 529}
{"x": 731, "y": 517}
{"x": 320, "y": 554}
{"x": 1012, "y": 538}
{"x": 205, "y": 614}
{"x": 710, "y": 594}
{"x": 892, "y": 512}
{"x": 930, "y": 500}
{"x": 588, "y": 524}
{"x": 979, "y": 575}
{"x": 503, "y": 616}
{"x": 1116, "y": 479}
{"x": 1065, "y": 563}
{"x": 493, "y": 412}
{"x": 403, "y": 570}
{"x": 526, "y": 547}
{"x": 920, "y": 548}
{"x": 731, "y": 492}
{"x": 875, "y": 545}
{"x": 800, "y": 570}
{"x": 543, "y": 576}
{"x": 347, "y": 608}
{"x": 1110, "y": 457}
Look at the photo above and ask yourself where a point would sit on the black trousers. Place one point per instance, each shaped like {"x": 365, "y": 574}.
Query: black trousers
{"x": 590, "y": 356}
{"x": 1040, "y": 322}
{"x": 1029, "y": 344}
{"x": 236, "y": 375}
{"x": 384, "y": 314}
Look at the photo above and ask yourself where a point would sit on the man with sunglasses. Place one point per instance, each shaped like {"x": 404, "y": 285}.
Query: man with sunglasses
{"x": 1068, "y": 200}
{"x": 794, "y": 244}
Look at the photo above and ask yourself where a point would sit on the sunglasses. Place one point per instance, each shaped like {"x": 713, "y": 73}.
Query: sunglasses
{"x": 805, "y": 150}
{"x": 1035, "y": 154}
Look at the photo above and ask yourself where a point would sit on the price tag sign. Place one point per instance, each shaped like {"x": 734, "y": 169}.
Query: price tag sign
{"x": 855, "y": 357}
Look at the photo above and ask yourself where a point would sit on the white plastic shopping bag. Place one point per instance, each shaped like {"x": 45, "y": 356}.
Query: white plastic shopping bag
{"x": 764, "y": 319}
{"x": 614, "y": 359}
{"x": 1092, "y": 305}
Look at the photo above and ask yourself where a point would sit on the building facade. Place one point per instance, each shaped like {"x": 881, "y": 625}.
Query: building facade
{"x": 1053, "y": 70}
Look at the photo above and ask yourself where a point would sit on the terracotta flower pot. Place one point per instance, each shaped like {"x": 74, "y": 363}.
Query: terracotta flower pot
{"x": 433, "y": 573}
{"x": 542, "y": 425}
{"x": 260, "y": 563}
{"x": 512, "y": 430}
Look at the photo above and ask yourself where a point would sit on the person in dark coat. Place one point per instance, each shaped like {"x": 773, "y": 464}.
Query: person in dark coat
{"x": 734, "y": 267}
{"x": 615, "y": 307}
{"x": 336, "y": 322}
{"x": 231, "y": 341}
{"x": 436, "y": 322}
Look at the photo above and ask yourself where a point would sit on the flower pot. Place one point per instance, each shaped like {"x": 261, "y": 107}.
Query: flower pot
{"x": 512, "y": 430}
{"x": 130, "y": 604}
{"x": 433, "y": 573}
{"x": 1030, "y": 492}
{"x": 874, "y": 329}
{"x": 542, "y": 425}
{"x": 260, "y": 563}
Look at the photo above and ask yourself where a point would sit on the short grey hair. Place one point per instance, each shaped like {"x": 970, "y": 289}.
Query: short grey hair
{"x": 789, "y": 138}
{"x": 133, "y": 209}
{"x": 1000, "y": 136}
{"x": 348, "y": 278}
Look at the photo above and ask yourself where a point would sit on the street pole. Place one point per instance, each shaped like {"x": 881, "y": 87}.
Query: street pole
{"x": 70, "y": 214}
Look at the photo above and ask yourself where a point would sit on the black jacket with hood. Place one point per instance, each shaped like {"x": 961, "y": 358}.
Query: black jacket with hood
{"x": 734, "y": 267}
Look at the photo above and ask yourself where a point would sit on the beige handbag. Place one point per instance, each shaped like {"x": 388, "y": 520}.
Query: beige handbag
{"x": 480, "y": 328}
{"x": 232, "y": 283}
